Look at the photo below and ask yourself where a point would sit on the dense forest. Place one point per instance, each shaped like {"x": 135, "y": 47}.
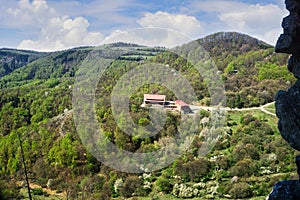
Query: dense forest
{"x": 36, "y": 113}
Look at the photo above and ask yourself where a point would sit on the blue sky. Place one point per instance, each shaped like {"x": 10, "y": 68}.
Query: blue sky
{"x": 48, "y": 25}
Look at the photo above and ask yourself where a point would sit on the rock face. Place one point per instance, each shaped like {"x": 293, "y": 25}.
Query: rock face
{"x": 288, "y": 190}
{"x": 289, "y": 41}
{"x": 287, "y": 110}
{"x": 288, "y": 102}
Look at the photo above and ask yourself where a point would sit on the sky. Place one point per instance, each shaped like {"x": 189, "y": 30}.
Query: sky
{"x": 50, "y": 25}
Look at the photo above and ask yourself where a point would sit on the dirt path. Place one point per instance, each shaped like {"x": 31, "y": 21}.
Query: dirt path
{"x": 263, "y": 108}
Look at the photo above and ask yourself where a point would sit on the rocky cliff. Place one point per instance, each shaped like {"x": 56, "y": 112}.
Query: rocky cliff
{"x": 288, "y": 102}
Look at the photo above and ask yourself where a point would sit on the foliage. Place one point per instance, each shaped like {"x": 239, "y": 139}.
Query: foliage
{"x": 64, "y": 152}
{"x": 164, "y": 184}
{"x": 131, "y": 186}
{"x": 36, "y": 104}
{"x": 272, "y": 71}
{"x": 240, "y": 190}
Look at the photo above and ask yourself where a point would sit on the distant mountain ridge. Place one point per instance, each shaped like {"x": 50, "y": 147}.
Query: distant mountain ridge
{"x": 12, "y": 59}
{"x": 229, "y": 50}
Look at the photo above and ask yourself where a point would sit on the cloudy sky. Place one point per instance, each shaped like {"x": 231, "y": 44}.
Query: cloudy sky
{"x": 47, "y": 25}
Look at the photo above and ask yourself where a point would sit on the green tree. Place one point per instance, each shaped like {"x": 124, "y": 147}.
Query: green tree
{"x": 164, "y": 184}
{"x": 64, "y": 152}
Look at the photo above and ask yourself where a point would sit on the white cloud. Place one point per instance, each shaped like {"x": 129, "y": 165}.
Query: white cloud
{"x": 149, "y": 37}
{"x": 259, "y": 20}
{"x": 62, "y": 33}
{"x": 54, "y": 31}
{"x": 28, "y": 14}
{"x": 160, "y": 29}
{"x": 57, "y": 25}
{"x": 184, "y": 24}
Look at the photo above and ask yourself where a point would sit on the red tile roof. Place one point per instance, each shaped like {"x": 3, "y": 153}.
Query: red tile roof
{"x": 181, "y": 103}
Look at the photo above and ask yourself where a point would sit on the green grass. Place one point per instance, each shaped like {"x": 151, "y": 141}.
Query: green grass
{"x": 235, "y": 116}
{"x": 272, "y": 107}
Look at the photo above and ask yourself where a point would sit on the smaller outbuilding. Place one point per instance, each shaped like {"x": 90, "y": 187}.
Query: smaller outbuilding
{"x": 183, "y": 107}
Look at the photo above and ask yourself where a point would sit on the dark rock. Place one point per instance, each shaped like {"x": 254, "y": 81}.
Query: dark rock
{"x": 284, "y": 44}
{"x": 291, "y": 25}
{"x": 292, "y": 5}
{"x": 287, "y": 109}
{"x": 287, "y": 190}
{"x": 294, "y": 66}
{"x": 288, "y": 103}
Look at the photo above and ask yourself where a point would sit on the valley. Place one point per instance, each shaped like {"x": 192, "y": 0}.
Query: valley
{"x": 36, "y": 107}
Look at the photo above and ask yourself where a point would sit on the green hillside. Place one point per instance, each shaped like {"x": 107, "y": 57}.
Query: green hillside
{"x": 36, "y": 108}
{"x": 11, "y": 59}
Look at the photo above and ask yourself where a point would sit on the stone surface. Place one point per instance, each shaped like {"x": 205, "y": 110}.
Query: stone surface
{"x": 289, "y": 41}
{"x": 288, "y": 102}
{"x": 287, "y": 109}
{"x": 234, "y": 179}
{"x": 285, "y": 190}
{"x": 284, "y": 44}
{"x": 294, "y": 66}
{"x": 292, "y": 5}
{"x": 290, "y": 25}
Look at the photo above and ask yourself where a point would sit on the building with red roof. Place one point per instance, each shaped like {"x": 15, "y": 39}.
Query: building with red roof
{"x": 183, "y": 107}
{"x": 154, "y": 99}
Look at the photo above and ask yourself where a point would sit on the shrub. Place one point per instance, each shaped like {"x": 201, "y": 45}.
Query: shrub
{"x": 164, "y": 185}
{"x": 243, "y": 168}
{"x": 37, "y": 191}
{"x": 240, "y": 190}
{"x": 130, "y": 186}
{"x": 198, "y": 169}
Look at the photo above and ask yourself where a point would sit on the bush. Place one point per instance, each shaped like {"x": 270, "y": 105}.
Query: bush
{"x": 240, "y": 190}
{"x": 130, "y": 186}
{"x": 37, "y": 191}
{"x": 243, "y": 168}
{"x": 9, "y": 190}
{"x": 164, "y": 185}
{"x": 198, "y": 169}
{"x": 246, "y": 119}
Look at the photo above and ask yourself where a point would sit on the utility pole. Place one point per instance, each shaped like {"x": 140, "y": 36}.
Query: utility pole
{"x": 24, "y": 166}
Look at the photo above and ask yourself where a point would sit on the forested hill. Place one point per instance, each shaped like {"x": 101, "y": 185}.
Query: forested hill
{"x": 231, "y": 42}
{"x": 36, "y": 108}
{"x": 12, "y": 59}
{"x": 62, "y": 64}
{"x": 251, "y": 70}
